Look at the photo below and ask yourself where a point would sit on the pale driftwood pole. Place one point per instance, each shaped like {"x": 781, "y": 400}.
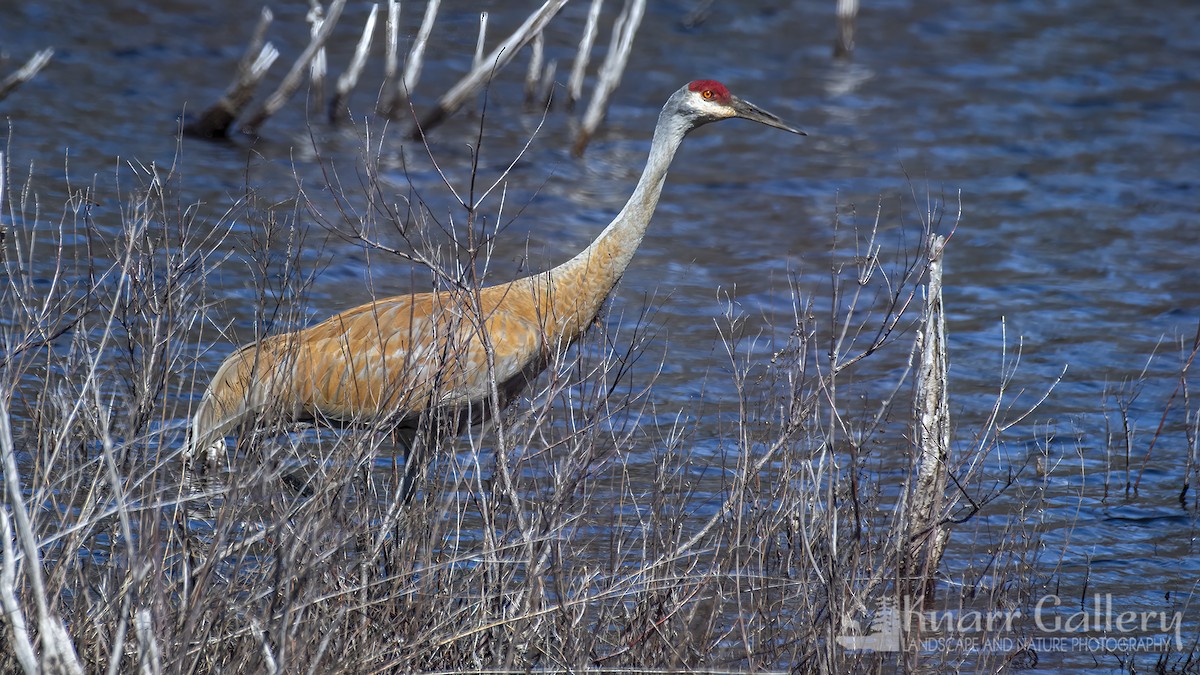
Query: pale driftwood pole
{"x": 26, "y": 72}
{"x": 546, "y": 93}
{"x": 927, "y": 535}
{"x": 583, "y": 55}
{"x": 253, "y": 66}
{"x": 416, "y": 59}
{"x": 624, "y": 31}
{"x": 391, "y": 58}
{"x": 416, "y": 55}
{"x": 533, "y": 74}
{"x": 479, "y": 42}
{"x": 292, "y": 80}
{"x": 349, "y": 79}
{"x": 467, "y": 87}
{"x": 319, "y": 66}
{"x": 847, "y": 14}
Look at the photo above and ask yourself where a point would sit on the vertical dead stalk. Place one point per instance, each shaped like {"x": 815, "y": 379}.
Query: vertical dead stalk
{"x": 26, "y": 72}
{"x": 847, "y": 14}
{"x": 624, "y": 30}
{"x": 534, "y": 73}
{"x": 416, "y": 55}
{"x": 292, "y": 80}
{"x": 319, "y": 66}
{"x": 391, "y": 57}
{"x": 13, "y": 613}
{"x": 57, "y": 653}
{"x": 257, "y": 60}
{"x": 349, "y": 79}
{"x": 926, "y": 535}
{"x": 402, "y": 89}
{"x": 480, "y": 41}
{"x": 499, "y": 57}
{"x": 583, "y": 55}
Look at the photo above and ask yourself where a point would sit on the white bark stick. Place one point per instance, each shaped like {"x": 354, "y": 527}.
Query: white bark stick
{"x": 349, "y": 79}
{"x": 932, "y": 433}
{"x": 292, "y": 80}
{"x": 624, "y": 31}
{"x": 253, "y": 66}
{"x": 458, "y": 95}
{"x": 583, "y": 55}
{"x": 26, "y": 72}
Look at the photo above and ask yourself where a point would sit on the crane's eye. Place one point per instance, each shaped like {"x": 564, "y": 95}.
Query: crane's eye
{"x": 706, "y": 94}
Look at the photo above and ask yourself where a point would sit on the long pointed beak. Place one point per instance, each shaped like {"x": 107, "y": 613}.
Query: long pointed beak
{"x": 748, "y": 111}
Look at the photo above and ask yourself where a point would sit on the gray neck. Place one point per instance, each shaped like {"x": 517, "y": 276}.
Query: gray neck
{"x": 609, "y": 255}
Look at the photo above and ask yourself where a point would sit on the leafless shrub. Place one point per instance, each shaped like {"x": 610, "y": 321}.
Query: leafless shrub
{"x": 593, "y": 525}
{"x": 1132, "y": 442}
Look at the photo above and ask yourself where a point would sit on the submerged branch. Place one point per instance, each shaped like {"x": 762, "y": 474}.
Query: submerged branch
{"x": 468, "y": 86}
{"x": 26, "y": 72}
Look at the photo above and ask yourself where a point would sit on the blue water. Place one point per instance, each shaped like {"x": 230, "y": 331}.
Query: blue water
{"x": 1067, "y": 131}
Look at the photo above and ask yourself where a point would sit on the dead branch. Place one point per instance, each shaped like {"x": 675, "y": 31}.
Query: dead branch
{"x": 480, "y": 41}
{"x": 533, "y": 74}
{"x": 927, "y": 540}
{"x": 57, "y": 654}
{"x": 319, "y": 66}
{"x": 391, "y": 56}
{"x": 349, "y": 79}
{"x": 402, "y": 90}
{"x": 291, "y": 81}
{"x": 26, "y": 72}
{"x": 847, "y": 14}
{"x": 583, "y": 55}
{"x": 416, "y": 55}
{"x": 257, "y": 60}
{"x": 624, "y": 31}
{"x": 468, "y": 86}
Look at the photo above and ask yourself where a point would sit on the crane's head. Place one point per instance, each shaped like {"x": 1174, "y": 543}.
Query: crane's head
{"x": 704, "y": 101}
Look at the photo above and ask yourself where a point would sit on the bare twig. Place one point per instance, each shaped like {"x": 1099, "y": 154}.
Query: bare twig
{"x": 57, "y": 653}
{"x": 292, "y": 80}
{"x": 14, "y": 614}
{"x": 253, "y": 66}
{"x": 847, "y": 14}
{"x": 349, "y": 79}
{"x": 583, "y": 55}
{"x": 458, "y": 95}
{"x": 26, "y": 72}
{"x": 624, "y": 31}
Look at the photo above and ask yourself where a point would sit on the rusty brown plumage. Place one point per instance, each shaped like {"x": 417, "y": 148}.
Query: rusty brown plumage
{"x": 387, "y": 362}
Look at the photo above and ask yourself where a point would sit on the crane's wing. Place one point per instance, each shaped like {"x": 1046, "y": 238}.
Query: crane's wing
{"x": 399, "y": 356}
{"x": 383, "y": 361}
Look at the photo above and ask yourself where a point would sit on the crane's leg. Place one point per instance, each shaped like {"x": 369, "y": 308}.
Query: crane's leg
{"x": 415, "y": 444}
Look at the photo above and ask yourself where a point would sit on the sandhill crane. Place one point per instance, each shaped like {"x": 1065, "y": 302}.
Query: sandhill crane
{"x": 389, "y": 361}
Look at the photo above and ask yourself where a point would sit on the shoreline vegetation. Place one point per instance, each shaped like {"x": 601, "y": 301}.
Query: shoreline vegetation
{"x": 593, "y": 526}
